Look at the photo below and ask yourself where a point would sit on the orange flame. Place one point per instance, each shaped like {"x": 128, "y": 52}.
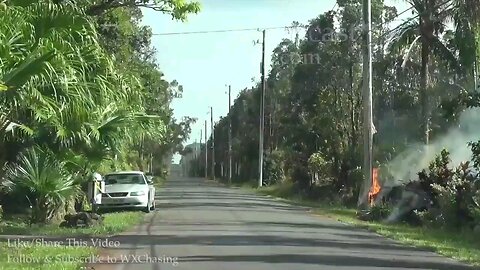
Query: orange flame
{"x": 375, "y": 189}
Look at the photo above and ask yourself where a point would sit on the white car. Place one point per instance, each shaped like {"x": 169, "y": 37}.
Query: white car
{"x": 129, "y": 189}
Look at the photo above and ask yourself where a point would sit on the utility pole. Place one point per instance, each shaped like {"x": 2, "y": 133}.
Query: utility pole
{"x": 475, "y": 67}
{"x": 262, "y": 115}
{"x": 194, "y": 163}
{"x": 367, "y": 105}
{"x": 475, "y": 78}
{"x": 199, "y": 164}
{"x": 206, "y": 151}
{"x": 229, "y": 135}
{"x": 213, "y": 143}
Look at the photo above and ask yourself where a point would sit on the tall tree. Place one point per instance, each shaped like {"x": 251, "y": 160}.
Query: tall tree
{"x": 426, "y": 28}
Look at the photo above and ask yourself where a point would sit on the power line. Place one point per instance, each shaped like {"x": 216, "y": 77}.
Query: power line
{"x": 389, "y": 31}
{"x": 278, "y": 27}
{"x": 413, "y": 18}
{"x": 403, "y": 12}
{"x": 223, "y": 31}
{"x": 249, "y": 29}
{"x": 410, "y": 19}
{"x": 335, "y": 6}
{"x": 232, "y": 30}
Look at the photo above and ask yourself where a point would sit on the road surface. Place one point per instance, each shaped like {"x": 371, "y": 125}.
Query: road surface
{"x": 200, "y": 225}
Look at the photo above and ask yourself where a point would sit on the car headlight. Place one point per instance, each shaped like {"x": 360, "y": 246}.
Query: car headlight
{"x": 137, "y": 193}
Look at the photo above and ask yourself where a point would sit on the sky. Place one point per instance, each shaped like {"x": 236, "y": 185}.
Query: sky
{"x": 205, "y": 64}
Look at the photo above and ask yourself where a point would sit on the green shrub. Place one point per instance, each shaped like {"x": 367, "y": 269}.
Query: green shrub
{"x": 375, "y": 213}
{"x": 285, "y": 189}
{"x": 355, "y": 180}
{"x": 324, "y": 193}
{"x": 319, "y": 168}
{"x": 112, "y": 165}
{"x": 438, "y": 173}
{"x": 452, "y": 191}
{"x": 431, "y": 218}
{"x": 51, "y": 187}
{"x": 449, "y": 211}
{"x": 379, "y": 211}
{"x": 158, "y": 180}
{"x": 475, "y": 213}
{"x": 273, "y": 168}
{"x": 475, "y": 146}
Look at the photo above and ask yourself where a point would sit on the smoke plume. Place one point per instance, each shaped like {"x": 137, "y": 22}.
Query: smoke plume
{"x": 405, "y": 166}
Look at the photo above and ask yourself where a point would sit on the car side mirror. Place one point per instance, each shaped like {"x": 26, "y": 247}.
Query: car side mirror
{"x": 150, "y": 182}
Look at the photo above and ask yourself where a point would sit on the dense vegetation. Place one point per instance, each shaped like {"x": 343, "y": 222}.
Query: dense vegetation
{"x": 80, "y": 92}
{"x": 425, "y": 74}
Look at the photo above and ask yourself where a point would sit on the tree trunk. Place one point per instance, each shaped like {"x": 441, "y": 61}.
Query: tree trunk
{"x": 79, "y": 204}
{"x": 424, "y": 84}
{"x": 141, "y": 154}
{"x": 40, "y": 211}
{"x": 427, "y": 32}
{"x": 3, "y": 161}
{"x": 352, "y": 110}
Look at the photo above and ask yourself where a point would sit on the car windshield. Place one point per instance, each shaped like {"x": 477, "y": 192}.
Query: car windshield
{"x": 124, "y": 179}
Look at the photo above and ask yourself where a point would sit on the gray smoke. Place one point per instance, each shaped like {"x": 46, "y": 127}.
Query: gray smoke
{"x": 405, "y": 166}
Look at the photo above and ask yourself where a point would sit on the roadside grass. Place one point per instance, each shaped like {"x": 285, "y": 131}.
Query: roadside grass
{"x": 42, "y": 256}
{"x": 60, "y": 257}
{"x": 113, "y": 223}
{"x": 159, "y": 181}
{"x": 462, "y": 246}
{"x": 244, "y": 185}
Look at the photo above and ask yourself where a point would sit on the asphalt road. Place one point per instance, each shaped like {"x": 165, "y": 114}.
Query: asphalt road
{"x": 203, "y": 226}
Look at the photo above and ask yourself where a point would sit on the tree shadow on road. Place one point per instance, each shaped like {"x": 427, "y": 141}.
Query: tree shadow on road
{"x": 267, "y": 225}
{"x": 182, "y": 203}
{"x": 254, "y": 240}
{"x": 330, "y": 260}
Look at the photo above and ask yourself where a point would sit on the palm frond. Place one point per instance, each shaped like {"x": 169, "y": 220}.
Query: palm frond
{"x": 3, "y": 87}
{"x": 31, "y": 66}
{"x": 406, "y": 57}
{"x": 444, "y": 53}
{"x": 402, "y": 36}
{"x": 466, "y": 10}
{"x": 51, "y": 186}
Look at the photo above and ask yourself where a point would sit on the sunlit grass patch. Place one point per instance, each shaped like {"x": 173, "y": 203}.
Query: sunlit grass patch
{"x": 44, "y": 257}
{"x": 460, "y": 245}
{"x": 113, "y": 223}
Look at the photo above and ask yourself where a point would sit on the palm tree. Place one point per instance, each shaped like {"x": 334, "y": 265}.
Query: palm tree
{"x": 55, "y": 75}
{"x": 33, "y": 61}
{"x": 465, "y": 15}
{"x": 60, "y": 89}
{"x": 426, "y": 28}
{"x": 50, "y": 186}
